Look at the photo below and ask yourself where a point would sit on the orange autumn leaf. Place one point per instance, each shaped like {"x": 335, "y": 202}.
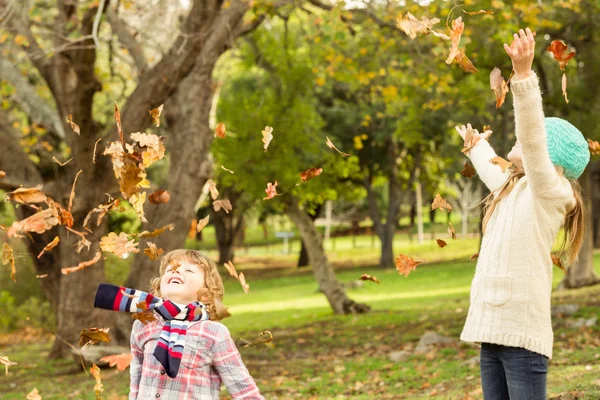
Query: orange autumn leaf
{"x": 74, "y": 126}
{"x": 224, "y": 204}
{"x": 464, "y": 62}
{"x": 212, "y": 188}
{"x": 310, "y": 173}
{"x": 405, "y": 264}
{"x": 499, "y": 86}
{"x": 456, "y": 32}
{"x": 468, "y": 170}
{"x": 152, "y": 252}
{"x": 501, "y": 162}
{"x": 39, "y": 222}
{"x": 594, "y": 147}
{"x": 330, "y": 144}
{"x": 267, "y": 134}
{"x": 82, "y": 265}
{"x": 2, "y": 174}
{"x": 441, "y": 243}
{"x": 118, "y": 244}
{"x": 49, "y": 246}
{"x": 202, "y": 223}
{"x": 7, "y": 363}
{"x": 26, "y": 195}
{"x": 156, "y": 232}
{"x": 440, "y": 203}
{"x": 9, "y": 258}
{"x": 559, "y": 52}
{"x": 367, "y": 277}
{"x": 242, "y": 280}
{"x": 145, "y": 317}
{"x": 556, "y": 260}
{"x": 90, "y": 336}
{"x": 159, "y": 197}
{"x": 98, "y": 387}
{"x": 271, "y": 190}
{"x": 479, "y": 12}
{"x": 451, "y": 230}
{"x": 231, "y": 269}
{"x": 220, "y": 131}
{"x": 412, "y": 26}
{"x": 122, "y": 361}
{"x": 155, "y": 114}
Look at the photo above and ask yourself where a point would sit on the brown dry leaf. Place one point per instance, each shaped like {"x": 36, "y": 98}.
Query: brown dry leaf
{"x": 441, "y": 243}
{"x": 440, "y": 203}
{"x": 72, "y": 196}
{"x": 152, "y": 252}
{"x": 464, "y": 62}
{"x": 468, "y": 170}
{"x": 564, "y": 87}
{"x": 456, "y": 32}
{"x": 7, "y": 363}
{"x": 412, "y": 26}
{"x": 154, "y": 148}
{"x": 102, "y": 210}
{"x": 74, "y": 126}
{"x": 26, "y": 195}
{"x": 212, "y": 187}
{"x": 594, "y": 147}
{"x": 155, "y": 114}
{"x": 118, "y": 121}
{"x": 118, "y": 244}
{"x": 64, "y": 216}
{"x": 49, "y": 246}
{"x": 137, "y": 201}
{"x": 367, "y": 277}
{"x": 60, "y": 163}
{"x": 159, "y": 197}
{"x": 310, "y": 173}
{"x": 94, "y": 155}
{"x": 499, "y": 86}
{"x": 95, "y": 371}
{"x": 39, "y": 222}
{"x": 266, "y": 337}
{"x": 8, "y": 257}
{"x": 2, "y": 174}
{"x": 271, "y": 190}
{"x": 471, "y": 139}
{"x": 245, "y": 286}
{"x": 90, "y": 336}
{"x": 224, "y": 204}
{"x": 145, "y": 317}
{"x": 474, "y": 257}
{"x": 501, "y": 162}
{"x": 556, "y": 260}
{"x": 267, "y": 134}
{"x": 405, "y": 264}
{"x": 83, "y": 264}
{"x": 451, "y": 230}
{"x": 331, "y": 146}
{"x": 227, "y": 169}
{"x": 156, "y": 232}
{"x": 34, "y": 395}
{"x": 122, "y": 361}
{"x": 220, "y": 131}
{"x": 231, "y": 269}
{"x": 478, "y": 12}
{"x": 559, "y": 51}
{"x": 202, "y": 223}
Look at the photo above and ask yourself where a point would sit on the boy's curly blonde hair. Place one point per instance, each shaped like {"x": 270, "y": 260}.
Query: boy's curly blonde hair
{"x": 212, "y": 294}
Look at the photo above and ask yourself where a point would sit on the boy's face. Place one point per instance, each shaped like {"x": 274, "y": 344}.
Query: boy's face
{"x": 515, "y": 156}
{"x": 181, "y": 284}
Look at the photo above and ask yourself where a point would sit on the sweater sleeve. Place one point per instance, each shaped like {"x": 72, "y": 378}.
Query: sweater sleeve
{"x": 491, "y": 175}
{"x": 544, "y": 180}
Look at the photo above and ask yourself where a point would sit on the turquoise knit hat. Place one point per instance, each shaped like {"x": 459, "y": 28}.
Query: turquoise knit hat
{"x": 567, "y": 147}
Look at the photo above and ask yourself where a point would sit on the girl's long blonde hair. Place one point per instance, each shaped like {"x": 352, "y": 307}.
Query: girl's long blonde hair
{"x": 212, "y": 294}
{"x": 573, "y": 223}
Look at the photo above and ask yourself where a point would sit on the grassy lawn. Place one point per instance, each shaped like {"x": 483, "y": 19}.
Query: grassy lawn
{"x": 317, "y": 355}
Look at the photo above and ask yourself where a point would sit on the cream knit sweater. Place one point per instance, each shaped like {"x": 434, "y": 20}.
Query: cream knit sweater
{"x": 510, "y": 293}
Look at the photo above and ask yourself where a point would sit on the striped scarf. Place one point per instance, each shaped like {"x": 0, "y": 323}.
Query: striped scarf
{"x": 171, "y": 341}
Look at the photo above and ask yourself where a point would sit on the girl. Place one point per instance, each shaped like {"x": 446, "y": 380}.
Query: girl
{"x": 509, "y": 314}
{"x": 183, "y": 354}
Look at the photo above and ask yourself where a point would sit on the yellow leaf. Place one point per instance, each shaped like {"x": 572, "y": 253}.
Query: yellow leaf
{"x": 21, "y": 41}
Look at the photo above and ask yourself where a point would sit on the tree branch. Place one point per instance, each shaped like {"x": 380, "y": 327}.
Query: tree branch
{"x": 127, "y": 40}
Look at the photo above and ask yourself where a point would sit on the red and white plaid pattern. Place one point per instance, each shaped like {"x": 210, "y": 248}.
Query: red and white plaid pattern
{"x": 210, "y": 358}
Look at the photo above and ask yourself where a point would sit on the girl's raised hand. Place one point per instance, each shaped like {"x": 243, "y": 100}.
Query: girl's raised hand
{"x": 521, "y": 52}
{"x": 463, "y": 130}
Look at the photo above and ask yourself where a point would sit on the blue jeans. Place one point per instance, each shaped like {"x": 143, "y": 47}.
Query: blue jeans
{"x": 512, "y": 373}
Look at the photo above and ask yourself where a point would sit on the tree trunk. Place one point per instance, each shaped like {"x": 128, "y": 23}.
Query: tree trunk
{"x": 322, "y": 269}
{"x": 303, "y": 257}
{"x": 228, "y": 226}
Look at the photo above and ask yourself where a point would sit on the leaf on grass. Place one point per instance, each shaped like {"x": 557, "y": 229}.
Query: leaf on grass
{"x": 224, "y": 204}
{"x": 468, "y": 170}
{"x": 367, "y": 277}
{"x": 564, "y": 87}
{"x": 118, "y": 244}
{"x": 499, "y": 86}
{"x": 441, "y": 243}
{"x": 212, "y": 188}
{"x": 152, "y": 251}
{"x": 405, "y": 264}
{"x": 34, "y": 395}
{"x": 594, "y": 147}
{"x": 451, "y": 230}
{"x": 60, "y": 163}
{"x": 95, "y": 371}
{"x": 159, "y": 197}
{"x": 7, "y": 363}
{"x": 559, "y": 52}
{"x": 479, "y": 12}
{"x": 220, "y": 130}
{"x": 231, "y": 269}
{"x": 156, "y": 232}
{"x": 226, "y": 169}
{"x": 74, "y": 126}
{"x": 8, "y": 257}
{"x": 266, "y": 337}
{"x": 267, "y": 134}
{"x": 556, "y": 260}
{"x": 310, "y": 173}
{"x": 122, "y": 361}
{"x": 155, "y": 114}
{"x": 331, "y": 146}
{"x": 26, "y": 195}
{"x": 501, "y": 162}
{"x": 91, "y": 336}
{"x": 271, "y": 190}
{"x": 49, "y": 246}
{"x": 83, "y": 264}
{"x": 72, "y": 196}
{"x": 242, "y": 280}
{"x": 202, "y": 223}
{"x": 440, "y": 203}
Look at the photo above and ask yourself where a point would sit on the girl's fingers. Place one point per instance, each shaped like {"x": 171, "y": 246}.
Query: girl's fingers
{"x": 508, "y": 50}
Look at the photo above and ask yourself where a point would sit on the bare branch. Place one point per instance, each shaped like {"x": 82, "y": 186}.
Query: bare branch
{"x": 97, "y": 23}
{"x": 126, "y": 38}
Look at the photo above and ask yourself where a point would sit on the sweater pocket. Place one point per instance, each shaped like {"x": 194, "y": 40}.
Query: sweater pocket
{"x": 497, "y": 290}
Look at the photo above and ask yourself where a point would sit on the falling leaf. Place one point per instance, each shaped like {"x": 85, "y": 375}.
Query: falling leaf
{"x": 464, "y": 63}
{"x": 212, "y": 187}
{"x": 74, "y": 126}
{"x": 122, "y": 361}
{"x": 564, "y": 87}
{"x": 82, "y": 265}
{"x": 231, "y": 269}
{"x": 95, "y": 371}
{"x": 451, "y": 230}
{"x": 441, "y": 243}
{"x": 137, "y": 202}
{"x": 242, "y": 280}
{"x": 119, "y": 127}
{"x": 267, "y": 134}
{"x": 102, "y": 210}
{"x": 145, "y": 317}
{"x": 456, "y": 32}
{"x": 60, "y": 163}
{"x": 34, "y": 395}
{"x": 152, "y": 252}
{"x": 41, "y": 276}
{"x": 405, "y": 264}
{"x": 478, "y": 12}
{"x": 8, "y": 257}
{"x": 91, "y": 336}
{"x": 474, "y": 257}
{"x": 226, "y": 169}
{"x": 72, "y": 196}
{"x": 224, "y": 204}
{"x": 310, "y": 173}
{"x": 220, "y": 131}
{"x": 118, "y": 244}
{"x": 39, "y": 222}
{"x": 412, "y": 26}
{"x": 594, "y": 147}
{"x": 156, "y": 232}
{"x": 499, "y": 86}
{"x": 2, "y": 174}
{"x": 331, "y": 146}
{"x": 556, "y": 260}
{"x": 468, "y": 170}
{"x": 7, "y": 363}
{"x": 202, "y": 223}
{"x": 271, "y": 190}
{"x": 559, "y": 51}
{"x": 501, "y": 162}
{"x": 159, "y": 197}
{"x": 94, "y": 155}
{"x": 440, "y": 203}
{"x": 49, "y": 246}
{"x": 26, "y": 195}
{"x": 367, "y": 277}
{"x": 155, "y": 114}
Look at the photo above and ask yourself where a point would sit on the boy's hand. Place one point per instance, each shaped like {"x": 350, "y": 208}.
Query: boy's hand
{"x": 463, "y": 130}
{"x": 521, "y": 52}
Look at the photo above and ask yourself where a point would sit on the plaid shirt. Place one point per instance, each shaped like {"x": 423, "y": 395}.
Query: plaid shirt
{"x": 209, "y": 358}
